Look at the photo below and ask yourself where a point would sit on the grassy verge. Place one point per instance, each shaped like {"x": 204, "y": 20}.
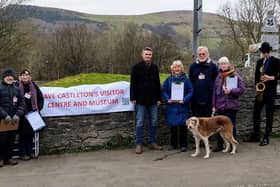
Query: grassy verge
{"x": 92, "y": 78}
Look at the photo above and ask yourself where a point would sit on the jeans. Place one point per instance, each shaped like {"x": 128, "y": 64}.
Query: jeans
{"x": 152, "y": 112}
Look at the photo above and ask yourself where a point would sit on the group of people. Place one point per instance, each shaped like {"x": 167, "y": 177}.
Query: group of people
{"x": 17, "y": 98}
{"x": 211, "y": 89}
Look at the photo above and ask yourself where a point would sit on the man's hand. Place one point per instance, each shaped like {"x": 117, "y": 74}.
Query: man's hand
{"x": 15, "y": 119}
{"x": 8, "y": 119}
{"x": 266, "y": 78}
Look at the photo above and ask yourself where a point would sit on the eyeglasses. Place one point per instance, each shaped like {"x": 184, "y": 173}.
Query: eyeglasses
{"x": 201, "y": 54}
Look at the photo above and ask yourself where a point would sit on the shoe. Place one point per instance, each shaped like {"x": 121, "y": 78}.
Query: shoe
{"x": 138, "y": 149}
{"x": 172, "y": 148}
{"x": 32, "y": 156}
{"x": 11, "y": 162}
{"x": 264, "y": 142}
{"x": 184, "y": 149}
{"x": 252, "y": 139}
{"x": 25, "y": 157}
{"x": 1, "y": 163}
{"x": 155, "y": 146}
{"x": 218, "y": 149}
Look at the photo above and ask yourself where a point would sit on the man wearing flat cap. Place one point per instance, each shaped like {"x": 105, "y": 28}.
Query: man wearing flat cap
{"x": 266, "y": 75}
{"x": 11, "y": 108}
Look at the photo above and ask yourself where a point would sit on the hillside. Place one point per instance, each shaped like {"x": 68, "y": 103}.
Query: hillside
{"x": 174, "y": 24}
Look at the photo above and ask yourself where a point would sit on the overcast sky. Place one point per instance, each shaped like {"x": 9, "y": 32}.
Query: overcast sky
{"x": 127, "y": 7}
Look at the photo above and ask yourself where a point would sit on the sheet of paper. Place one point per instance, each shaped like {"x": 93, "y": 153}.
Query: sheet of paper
{"x": 231, "y": 82}
{"x": 35, "y": 120}
{"x": 177, "y": 91}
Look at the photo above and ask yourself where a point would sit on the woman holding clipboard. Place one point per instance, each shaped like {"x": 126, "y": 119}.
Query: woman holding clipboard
{"x": 177, "y": 92}
{"x": 228, "y": 87}
{"x": 34, "y": 101}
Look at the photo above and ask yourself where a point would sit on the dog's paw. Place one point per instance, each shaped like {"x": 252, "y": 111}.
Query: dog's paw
{"x": 232, "y": 152}
{"x": 206, "y": 156}
{"x": 224, "y": 150}
{"x": 194, "y": 155}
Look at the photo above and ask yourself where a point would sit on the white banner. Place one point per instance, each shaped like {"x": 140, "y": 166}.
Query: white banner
{"x": 86, "y": 99}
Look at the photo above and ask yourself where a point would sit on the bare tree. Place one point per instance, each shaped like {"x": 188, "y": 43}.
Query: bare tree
{"x": 14, "y": 42}
{"x": 71, "y": 50}
{"x": 245, "y": 20}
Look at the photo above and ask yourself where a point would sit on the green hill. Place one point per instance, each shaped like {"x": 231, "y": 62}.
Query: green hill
{"x": 174, "y": 24}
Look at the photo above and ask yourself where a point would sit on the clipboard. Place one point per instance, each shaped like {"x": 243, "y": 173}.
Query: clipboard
{"x": 8, "y": 126}
{"x": 35, "y": 120}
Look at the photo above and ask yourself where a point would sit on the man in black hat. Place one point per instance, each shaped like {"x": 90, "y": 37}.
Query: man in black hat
{"x": 266, "y": 75}
{"x": 11, "y": 108}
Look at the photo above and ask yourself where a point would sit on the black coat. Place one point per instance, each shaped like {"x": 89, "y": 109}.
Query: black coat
{"x": 11, "y": 100}
{"x": 24, "y": 126}
{"x": 273, "y": 69}
{"x": 145, "y": 85}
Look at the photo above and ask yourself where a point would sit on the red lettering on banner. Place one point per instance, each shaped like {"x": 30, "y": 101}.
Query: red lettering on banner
{"x": 112, "y": 92}
{"x": 77, "y": 94}
{"x": 59, "y": 104}
{"x": 104, "y": 102}
{"x": 79, "y": 103}
{"x": 49, "y": 96}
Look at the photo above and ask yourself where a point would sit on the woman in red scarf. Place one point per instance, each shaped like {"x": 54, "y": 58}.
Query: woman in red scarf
{"x": 228, "y": 87}
{"x": 34, "y": 101}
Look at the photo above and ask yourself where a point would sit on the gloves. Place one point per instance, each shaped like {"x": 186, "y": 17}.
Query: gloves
{"x": 15, "y": 119}
{"x": 8, "y": 119}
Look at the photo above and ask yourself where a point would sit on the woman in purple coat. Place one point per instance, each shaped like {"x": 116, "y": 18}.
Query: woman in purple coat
{"x": 177, "y": 110}
{"x": 228, "y": 87}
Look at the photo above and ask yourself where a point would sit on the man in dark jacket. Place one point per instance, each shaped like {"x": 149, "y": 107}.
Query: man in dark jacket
{"x": 145, "y": 94}
{"x": 11, "y": 108}
{"x": 267, "y": 72}
{"x": 202, "y": 74}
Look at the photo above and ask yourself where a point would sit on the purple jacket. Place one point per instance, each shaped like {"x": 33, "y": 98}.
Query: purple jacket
{"x": 220, "y": 101}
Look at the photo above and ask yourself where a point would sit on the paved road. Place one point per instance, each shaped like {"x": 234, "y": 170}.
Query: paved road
{"x": 252, "y": 166}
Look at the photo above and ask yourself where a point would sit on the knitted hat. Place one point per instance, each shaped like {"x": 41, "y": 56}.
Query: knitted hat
{"x": 8, "y": 72}
{"x": 265, "y": 47}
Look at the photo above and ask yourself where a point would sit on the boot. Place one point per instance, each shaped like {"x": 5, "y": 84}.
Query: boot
{"x": 155, "y": 146}
{"x": 265, "y": 141}
{"x": 11, "y": 162}
{"x": 138, "y": 149}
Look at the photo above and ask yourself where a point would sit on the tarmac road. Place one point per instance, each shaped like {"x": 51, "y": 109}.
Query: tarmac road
{"x": 252, "y": 166}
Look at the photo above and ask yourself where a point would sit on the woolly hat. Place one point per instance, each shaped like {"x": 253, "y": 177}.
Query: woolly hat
{"x": 265, "y": 47}
{"x": 8, "y": 72}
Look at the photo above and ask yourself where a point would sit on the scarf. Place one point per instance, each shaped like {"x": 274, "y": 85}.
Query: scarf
{"x": 227, "y": 72}
{"x": 33, "y": 93}
{"x": 223, "y": 75}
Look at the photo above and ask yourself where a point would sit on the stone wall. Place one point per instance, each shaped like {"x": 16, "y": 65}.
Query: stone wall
{"x": 117, "y": 129}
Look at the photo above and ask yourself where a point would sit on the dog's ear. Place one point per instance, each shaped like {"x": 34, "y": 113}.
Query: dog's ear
{"x": 187, "y": 122}
{"x": 196, "y": 121}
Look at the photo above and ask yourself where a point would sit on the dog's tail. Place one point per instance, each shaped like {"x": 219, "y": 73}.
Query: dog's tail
{"x": 234, "y": 140}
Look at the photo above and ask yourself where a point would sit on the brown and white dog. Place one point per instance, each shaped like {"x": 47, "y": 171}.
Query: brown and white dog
{"x": 203, "y": 128}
